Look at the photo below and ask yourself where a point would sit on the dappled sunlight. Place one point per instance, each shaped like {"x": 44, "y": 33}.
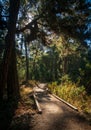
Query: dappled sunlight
{"x": 45, "y": 49}
{"x": 22, "y": 109}
{"x": 25, "y": 90}
{"x": 73, "y": 94}
{"x": 25, "y": 108}
{"x": 38, "y": 89}
{"x": 53, "y": 108}
{"x": 25, "y": 105}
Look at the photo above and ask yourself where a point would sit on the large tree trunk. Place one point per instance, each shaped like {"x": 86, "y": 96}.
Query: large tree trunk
{"x": 12, "y": 79}
{"x": 10, "y": 41}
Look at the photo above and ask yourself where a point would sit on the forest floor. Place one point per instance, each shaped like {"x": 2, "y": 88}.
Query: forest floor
{"x": 55, "y": 114}
{"x": 17, "y": 115}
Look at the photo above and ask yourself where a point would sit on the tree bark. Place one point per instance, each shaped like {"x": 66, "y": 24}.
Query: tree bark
{"x": 10, "y": 41}
{"x": 12, "y": 79}
{"x": 27, "y": 61}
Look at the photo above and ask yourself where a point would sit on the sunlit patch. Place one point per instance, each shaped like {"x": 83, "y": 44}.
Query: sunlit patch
{"x": 53, "y": 108}
{"x": 38, "y": 89}
{"x": 25, "y": 90}
{"x": 26, "y": 102}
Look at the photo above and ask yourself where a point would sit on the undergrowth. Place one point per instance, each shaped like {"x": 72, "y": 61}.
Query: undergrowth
{"x": 73, "y": 94}
{"x": 25, "y": 109}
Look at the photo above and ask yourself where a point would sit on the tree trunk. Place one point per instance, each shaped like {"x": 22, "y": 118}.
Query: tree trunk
{"x": 10, "y": 41}
{"x": 64, "y": 67}
{"x": 27, "y": 62}
{"x": 12, "y": 79}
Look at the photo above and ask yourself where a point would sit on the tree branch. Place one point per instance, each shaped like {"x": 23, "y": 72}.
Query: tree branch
{"x": 28, "y": 25}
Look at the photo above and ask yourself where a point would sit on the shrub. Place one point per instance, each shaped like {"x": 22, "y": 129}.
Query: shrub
{"x": 72, "y": 93}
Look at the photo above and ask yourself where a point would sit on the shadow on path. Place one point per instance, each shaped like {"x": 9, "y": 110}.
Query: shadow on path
{"x": 56, "y": 115}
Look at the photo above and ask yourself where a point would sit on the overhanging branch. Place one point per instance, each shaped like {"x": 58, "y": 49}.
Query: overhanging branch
{"x": 28, "y": 25}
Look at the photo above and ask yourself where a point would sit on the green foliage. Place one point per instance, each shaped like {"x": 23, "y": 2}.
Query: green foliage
{"x": 63, "y": 61}
{"x": 72, "y": 93}
{"x": 66, "y": 59}
{"x": 65, "y": 79}
{"x": 21, "y": 67}
{"x": 62, "y": 16}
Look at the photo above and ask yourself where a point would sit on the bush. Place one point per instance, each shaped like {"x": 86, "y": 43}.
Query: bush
{"x": 72, "y": 93}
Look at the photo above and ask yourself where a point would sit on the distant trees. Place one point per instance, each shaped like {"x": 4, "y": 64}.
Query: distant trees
{"x": 44, "y": 21}
{"x": 63, "y": 60}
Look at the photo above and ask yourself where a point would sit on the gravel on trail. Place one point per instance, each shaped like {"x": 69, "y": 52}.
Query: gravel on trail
{"x": 55, "y": 114}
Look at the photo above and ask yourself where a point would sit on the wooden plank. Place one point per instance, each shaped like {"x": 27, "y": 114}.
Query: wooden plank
{"x": 37, "y": 104}
{"x": 65, "y": 102}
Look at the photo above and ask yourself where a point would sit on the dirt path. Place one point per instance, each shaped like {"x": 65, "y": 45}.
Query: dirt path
{"x": 56, "y": 115}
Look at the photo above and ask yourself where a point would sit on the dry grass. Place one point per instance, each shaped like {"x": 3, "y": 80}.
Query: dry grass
{"x": 73, "y": 94}
{"x": 26, "y": 103}
{"x": 25, "y": 109}
{"x": 24, "y": 90}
